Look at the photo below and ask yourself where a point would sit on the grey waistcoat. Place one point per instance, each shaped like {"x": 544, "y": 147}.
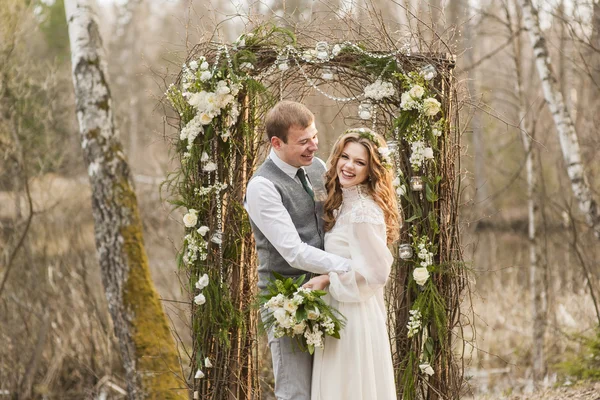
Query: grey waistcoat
{"x": 306, "y": 216}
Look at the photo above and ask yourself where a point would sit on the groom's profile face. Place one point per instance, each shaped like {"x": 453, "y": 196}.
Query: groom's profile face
{"x": 300, "y": 148}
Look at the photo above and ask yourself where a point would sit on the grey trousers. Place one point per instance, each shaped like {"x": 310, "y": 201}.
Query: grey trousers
{"x": 292, "y": 369}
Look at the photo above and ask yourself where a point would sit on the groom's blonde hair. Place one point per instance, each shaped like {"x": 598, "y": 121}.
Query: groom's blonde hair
{"x": 285, "y": 115}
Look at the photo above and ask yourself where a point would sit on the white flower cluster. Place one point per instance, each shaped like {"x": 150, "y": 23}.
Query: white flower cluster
{"x": 400, "y": 187}
{"x": 419, "y": 153}
{"x": 201, "y": 284}
{"x": 205, "y": 190}
{"x": 314, "y": 337}
{"x": 413, "y": 100}
{"x": 379, "y": 90}
{"x": 414, "y": 323}
{"x": 196, "y": 249}
{"x": 421, "y": 274}
{"x": 385, "y": 155}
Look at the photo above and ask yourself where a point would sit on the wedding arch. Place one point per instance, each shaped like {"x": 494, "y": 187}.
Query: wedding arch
{"x": 220, "y": 99}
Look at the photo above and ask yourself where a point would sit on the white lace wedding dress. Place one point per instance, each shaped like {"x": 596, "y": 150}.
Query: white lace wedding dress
{"x": 359, "y": 365}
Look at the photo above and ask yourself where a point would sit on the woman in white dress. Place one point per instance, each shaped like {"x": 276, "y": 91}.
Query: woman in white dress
{"x": 361, "y": 220}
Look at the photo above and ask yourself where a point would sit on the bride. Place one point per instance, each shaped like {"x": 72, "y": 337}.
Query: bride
{"x": 361, "y": 220}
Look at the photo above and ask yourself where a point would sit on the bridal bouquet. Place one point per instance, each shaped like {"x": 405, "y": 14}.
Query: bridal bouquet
{"x": 299, "y": 313}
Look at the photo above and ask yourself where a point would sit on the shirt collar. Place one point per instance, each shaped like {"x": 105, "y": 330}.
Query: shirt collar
{"x": 282, "y": 165}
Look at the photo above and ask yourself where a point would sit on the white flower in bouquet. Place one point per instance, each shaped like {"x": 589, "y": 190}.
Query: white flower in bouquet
{"x": 328, "y": 324}
{"x": 202, "y": 282}
{"x": 431, "y": 106}
{"x": 205, "y": 75}
{"x": 314, "y": 337}
{"x": 421, "y": 275}
{"x": 278, "y": 332}
{"x": 290, "y": 306}
{"x": 288, "y": 322}
{"x": 202, "y": 230}
{"x": 426, "y": 369}
{"x": 299, "y": 328}
{"x": 209, "y": 167}
{"x": 223, "y": 100}
{"x": 200, "y": 299}
{"x": 194, "y": 65}
{"x": 191, "y": 218}
{"x": 407, "y": 102}
{"x": 428, "y": 153}
{"x": 298, "y": 299}
{"x": 313, "y": 314}
{"x": 204, "y": 66}
{"x": 280, "y": 315}
{"x": 199, "y": 374}
{"x": 207, "y": 363}
{"x": 235, "y": 88}
{"x": 379, "y": 89}
{"x": 416, "y": 92}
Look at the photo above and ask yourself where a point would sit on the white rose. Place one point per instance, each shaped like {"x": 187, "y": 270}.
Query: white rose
{"x": 222, "y": 88}
{"x": 288, "y": 322}
{"x": 204, "y": 65}
{"x": 199, "y": 374}
{"x": 289, "y": 306}
{"x": 299, "y": 328}
{"x": 420, "y": 275}
{"x": 280, "y": 315}
{"x": 426, "y": 369}
{"x": 200, "y": 299}
{"x": 193, "y": 65}
{"x": 202, "y": 282}
{"x": 428, "y": 153}
{"x": 209, "y": 167}
{"x": 416, "y": 92}
{"x": 191, "y": 218}
{"x": 313, "y": 314}
{"x": 206, "y": 75}
{"x": 205, "y": 119}
{"x": 207, "y": 363}
{"x": 202, "y": 230}
{"x": 431, "y": 106}
{"x": 401, "y": 191}
{"x": 195, "y": 99}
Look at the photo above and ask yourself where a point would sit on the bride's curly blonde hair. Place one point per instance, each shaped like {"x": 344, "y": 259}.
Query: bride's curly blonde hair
{"x": 379, "y": 181}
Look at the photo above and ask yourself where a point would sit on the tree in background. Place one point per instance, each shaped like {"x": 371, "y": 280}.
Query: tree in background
{"x": 147, "y": 349}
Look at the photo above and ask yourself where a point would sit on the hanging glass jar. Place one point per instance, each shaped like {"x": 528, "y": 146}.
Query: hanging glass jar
{"x": 428, "y": 72}
{"x": 405, "y": 251}
{"x": 416, "y": 183}
{"x": 327, "y": 73}
{"x": 322, "y": 49}
{"x": 365, "y": 110}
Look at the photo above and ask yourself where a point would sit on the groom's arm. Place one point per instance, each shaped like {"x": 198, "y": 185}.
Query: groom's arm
{"x": 266, "y": 210}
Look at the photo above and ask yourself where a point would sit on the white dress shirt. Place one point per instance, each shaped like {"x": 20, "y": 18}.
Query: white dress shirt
{"x": 266, "y": 210}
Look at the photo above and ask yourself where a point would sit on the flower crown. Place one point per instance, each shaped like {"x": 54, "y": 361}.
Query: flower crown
{"x": 384, "y": 152}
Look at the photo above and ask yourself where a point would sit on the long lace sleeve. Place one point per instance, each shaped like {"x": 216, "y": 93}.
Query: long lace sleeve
{"x": 371, "y": 259}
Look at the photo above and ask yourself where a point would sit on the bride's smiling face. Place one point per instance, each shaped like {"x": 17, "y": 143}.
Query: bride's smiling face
{"x": 353, "y": 165}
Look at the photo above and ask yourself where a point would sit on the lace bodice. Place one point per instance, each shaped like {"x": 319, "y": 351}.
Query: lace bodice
{"x": 358, "y": 207}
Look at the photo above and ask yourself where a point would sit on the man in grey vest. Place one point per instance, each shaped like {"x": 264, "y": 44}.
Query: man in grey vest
{"x": 286, "y": 219}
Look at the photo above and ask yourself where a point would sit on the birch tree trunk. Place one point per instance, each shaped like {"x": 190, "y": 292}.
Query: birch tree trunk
{"x": 564, "y": 125}
{"x": 537, "y": 274}
{"x": 147, "y": 349}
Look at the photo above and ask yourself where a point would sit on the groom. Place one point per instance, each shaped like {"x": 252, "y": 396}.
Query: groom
{"x": 287, "y": 223}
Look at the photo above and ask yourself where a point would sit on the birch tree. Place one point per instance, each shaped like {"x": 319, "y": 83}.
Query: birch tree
{"x": 537, "y": 273}
{"x": 564, "y": 125}
{"x": 147, "y": 348}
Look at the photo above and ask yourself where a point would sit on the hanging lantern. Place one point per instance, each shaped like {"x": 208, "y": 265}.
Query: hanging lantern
{"x": 416, "y": 183}
{"x": 365, "y": 110}
{"x": 405, "y": 251}
{"x": 428, "y": 72}
{"x": 322, "y": 49}
{"x": 327, "y": 73}
{"x": 282, "y": 62}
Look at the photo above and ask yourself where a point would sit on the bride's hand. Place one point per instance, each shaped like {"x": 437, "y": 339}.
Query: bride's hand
{"x": 317, "y": 283}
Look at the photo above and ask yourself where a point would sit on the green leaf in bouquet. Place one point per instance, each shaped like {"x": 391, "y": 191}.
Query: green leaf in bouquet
{"x": 301, "y": 314}
{"x": 311, "y": 349}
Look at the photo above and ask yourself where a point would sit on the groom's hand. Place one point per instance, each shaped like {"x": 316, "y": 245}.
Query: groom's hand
{"x": 317, "y": 283}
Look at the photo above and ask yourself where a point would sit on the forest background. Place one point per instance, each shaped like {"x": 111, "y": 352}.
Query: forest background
{"x": 54, "y": 323}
